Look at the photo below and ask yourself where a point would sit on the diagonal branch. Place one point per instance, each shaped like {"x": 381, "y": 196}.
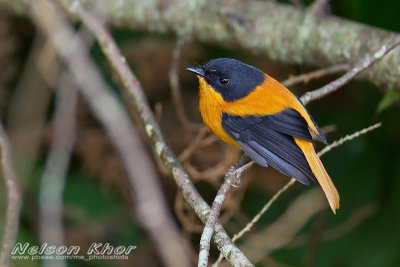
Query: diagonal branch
{"x": 134, "y": 93}
{"x": 151, "y": 208}
{"x": 306, "y": 77}
{"x": 347, "y": 138}
{"x": 358, "y": 68}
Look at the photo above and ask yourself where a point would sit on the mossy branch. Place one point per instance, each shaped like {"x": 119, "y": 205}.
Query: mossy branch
{"x": 282, "y": 32}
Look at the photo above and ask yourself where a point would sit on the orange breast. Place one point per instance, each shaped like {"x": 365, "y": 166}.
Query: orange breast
{"x": 211, "y": 108}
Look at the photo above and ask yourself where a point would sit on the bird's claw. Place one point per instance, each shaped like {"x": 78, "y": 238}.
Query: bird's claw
{"x": 238, "y": 174}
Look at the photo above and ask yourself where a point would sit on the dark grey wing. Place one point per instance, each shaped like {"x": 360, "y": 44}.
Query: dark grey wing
{"x": 288, "y": 122}
{"x": 269, "y": 140}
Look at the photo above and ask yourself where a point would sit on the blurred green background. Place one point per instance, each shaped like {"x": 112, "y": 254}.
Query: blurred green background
{"x": 97, "y": 207}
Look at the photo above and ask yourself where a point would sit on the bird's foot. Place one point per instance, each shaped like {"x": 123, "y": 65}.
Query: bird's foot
{"x": 234, "y": 172}
{"x": 237, "y": 172}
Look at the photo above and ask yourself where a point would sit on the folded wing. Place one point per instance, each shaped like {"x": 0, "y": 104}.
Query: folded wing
{"x": 269, "y": 140}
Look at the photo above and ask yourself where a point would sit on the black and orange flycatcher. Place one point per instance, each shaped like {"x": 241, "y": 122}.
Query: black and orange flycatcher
{"x": 248, "y": 109}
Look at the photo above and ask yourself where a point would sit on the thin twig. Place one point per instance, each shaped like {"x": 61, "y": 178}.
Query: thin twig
{"x": 258, "y": 216}
{"x": 307, "y": 77}
{"x": 54, "y": 176}
{"x": 138, "y": 101}
{"x": 286, "y": 227}
{"x": 212, "y": 220}
{"x": 214, "y": 172}
{"x": 348, "y": 138}
{"x": 151, "y": 207}
{"x": 358, "y": 68}
{"x": 193, "y": 145}
{"x": 188, "y": 220}
{"x": 13, "y": 199}
{"x": 209, "y": 140}
{"x": 263, "y": 210}
{"x": 176, "y": 88}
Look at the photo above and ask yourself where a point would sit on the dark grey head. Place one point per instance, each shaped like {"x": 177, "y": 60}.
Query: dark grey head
{"x": 230, "y": 77}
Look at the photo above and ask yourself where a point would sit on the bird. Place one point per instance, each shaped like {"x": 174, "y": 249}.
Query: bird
{"x": 250, "y": 110}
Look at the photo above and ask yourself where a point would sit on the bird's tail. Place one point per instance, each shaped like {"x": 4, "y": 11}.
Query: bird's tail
{"x": 319, "y": 171}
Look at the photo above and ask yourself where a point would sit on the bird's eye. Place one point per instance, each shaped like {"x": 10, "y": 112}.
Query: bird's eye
{"x": 223, "y": 80}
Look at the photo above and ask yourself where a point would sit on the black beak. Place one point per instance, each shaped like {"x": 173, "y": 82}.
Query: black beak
{"x": 197, "y": 70}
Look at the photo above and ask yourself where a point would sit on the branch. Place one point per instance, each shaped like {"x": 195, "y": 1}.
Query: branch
{"x": 176, "y": 88}
{"x": 212, "y": 220}
{"x": 263, "y": 210}
{"x": 258, "y": 216}
{"x": 347, "y": 138}
{"x": 282, "y": 231}
{"x": 282, "y": 32}
{"x": 13, "y": 200}
{"x": 56, "y": 168}
{"x": 137, "y": 100}
{"x": 361, "y": 66}
{"x": 307, "y": 77}
{"x": 187, "y": 153}
{"x": 151, "y": 207}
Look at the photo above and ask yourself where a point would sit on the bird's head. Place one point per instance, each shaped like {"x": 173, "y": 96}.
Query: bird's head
{"x": 231, "y": 78}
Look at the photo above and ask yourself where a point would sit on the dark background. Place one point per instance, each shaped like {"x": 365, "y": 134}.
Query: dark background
{"x": 366, "y": 171}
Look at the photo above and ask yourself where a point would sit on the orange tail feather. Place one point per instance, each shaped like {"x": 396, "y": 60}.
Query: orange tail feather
{"x": 319, "y": 171}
